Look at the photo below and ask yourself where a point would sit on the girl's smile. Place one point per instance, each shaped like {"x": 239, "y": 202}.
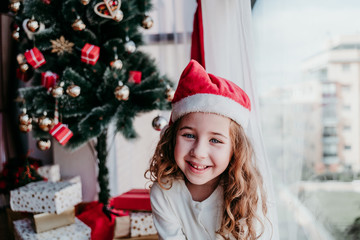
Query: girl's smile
{"x": 203, "y": 147}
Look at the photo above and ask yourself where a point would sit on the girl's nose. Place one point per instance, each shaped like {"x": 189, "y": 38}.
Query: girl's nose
{"x": 199, "y": 150}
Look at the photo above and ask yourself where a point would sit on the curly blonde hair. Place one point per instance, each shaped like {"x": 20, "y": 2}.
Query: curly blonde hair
{"x": 242, "y": 181}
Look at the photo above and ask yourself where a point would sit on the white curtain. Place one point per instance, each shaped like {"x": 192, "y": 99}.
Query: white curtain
{"x": 228, "y": 47}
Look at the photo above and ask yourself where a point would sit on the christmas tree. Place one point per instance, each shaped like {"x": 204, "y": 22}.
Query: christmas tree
{"x": 86, "y": 71}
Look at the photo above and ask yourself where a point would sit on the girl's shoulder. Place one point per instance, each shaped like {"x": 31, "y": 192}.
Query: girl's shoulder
{"x": 170, "y": 187}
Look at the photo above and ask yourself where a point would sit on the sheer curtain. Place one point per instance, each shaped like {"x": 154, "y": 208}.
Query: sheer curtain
{"x": 168, "y": 42}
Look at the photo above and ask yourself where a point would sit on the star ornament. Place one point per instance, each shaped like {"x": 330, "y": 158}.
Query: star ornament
{"x": 61, "y": 45}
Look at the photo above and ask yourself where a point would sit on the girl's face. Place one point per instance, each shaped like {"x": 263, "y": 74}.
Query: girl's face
{"x": 203, "y": 147}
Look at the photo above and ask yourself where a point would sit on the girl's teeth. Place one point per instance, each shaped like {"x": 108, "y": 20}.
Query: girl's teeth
{"x": 198, "y": 167}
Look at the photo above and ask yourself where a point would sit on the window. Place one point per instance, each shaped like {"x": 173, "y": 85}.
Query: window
{"x": 317, "y": 42}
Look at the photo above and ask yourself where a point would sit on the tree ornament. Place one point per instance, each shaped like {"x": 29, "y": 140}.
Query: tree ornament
{"x": 24, "y": 67}
{"x": 20, "y": 58}
{"x": 170, "y": 93}
{"x": 48, "y": 2}
{"x": 159, "y": 123}
{"x": 61, "y": 45}
{"x": 118, "y": 15}
{"x": 44, "y": 144}
{"x": 45, "y": 123}
{"x": 109, "y": 9}
{"x": 16, "y": 34}
{"x": 34, "y": 57}
{"x": 73, "y": 90}
{"x": 24, "y": 118}
{"x": 58, "y": 90}
{"x": 129, "y": 45}
{"x": 78, "y": 25}
{"x": 25, "y": 128}
{"x": 122, "y": 92}
{"x": 15, "y": 6}
{"x": 33, "y": 25}
{"x": 116, "y": 64}
{"x": 147, "y": 22}
{"x": 85, "y": 2}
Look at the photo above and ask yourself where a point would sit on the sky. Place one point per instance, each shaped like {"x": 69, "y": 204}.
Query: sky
{"x": 286, "y": 32}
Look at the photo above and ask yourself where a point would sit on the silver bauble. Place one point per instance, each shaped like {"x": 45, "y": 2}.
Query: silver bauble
{"x": 159, "y": 123}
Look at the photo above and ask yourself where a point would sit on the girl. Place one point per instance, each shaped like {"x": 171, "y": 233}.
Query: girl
{"x": 206, "y": 185}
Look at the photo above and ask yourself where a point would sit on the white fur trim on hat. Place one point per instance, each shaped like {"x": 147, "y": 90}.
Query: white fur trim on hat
{"x": 211, "y": 103}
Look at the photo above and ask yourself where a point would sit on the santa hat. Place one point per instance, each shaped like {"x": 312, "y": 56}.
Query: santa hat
{"x": 199, "y": 91}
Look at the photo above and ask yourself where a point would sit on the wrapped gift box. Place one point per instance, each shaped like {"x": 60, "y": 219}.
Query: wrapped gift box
{"x": 135, "y": 77}
{"x": 61, "y": 133}
{"x": 45, "y": 196}
{"x": 141, "y": 224}
{"x": 90, "y": 54}
{"x": 21, "y": 75}
{"x": 49, "y": 79}
{"x": 150, "y": 237}
{"x": 122, "y": 227}
{"x": 34, "y": 57}
{"x": 50, "y": 172}
{"x": 23, "y": 231}
{"x": 46, "y": 221}
{"x": 135, "y": 199}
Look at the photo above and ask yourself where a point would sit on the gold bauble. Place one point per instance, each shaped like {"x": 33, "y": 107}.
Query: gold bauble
{"x": 170, "y": 94}
{"x": 118, "y": 15}
{"x": 85, "y": 2}
{"x": 24, "y": 67}
{"x": 16, "y": 34}
{"x": 25, "y": 119}
{"x": 15, "y": 6}
{"x": 45, "y": 123}
{"x": 44, "y": 144}
{"x": 57, "y": 91}
{"x": 116, "y": 64}
{"x": 78, "y": 25}
{"x": 73, "y": 90}
{"x": 33, "y": 25}
{"x": 25, "y": 128}
{"x": 122, "y": 93}
{"x": 147, "y": 22}
{"x": 20, "y": 58}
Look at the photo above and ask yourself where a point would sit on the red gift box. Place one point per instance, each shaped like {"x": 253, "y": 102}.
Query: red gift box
{"x": 21, "y": 75}
{"x": 61, "y": 133}
{"x": 90, "y": 54}
{"x": 135, "y": 199}
{"x": 34, "y": 57}
{"x": 48, "y": 79}
{"x": 134, "y": 77}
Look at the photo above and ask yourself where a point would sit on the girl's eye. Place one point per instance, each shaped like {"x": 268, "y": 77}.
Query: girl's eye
{"x": 188, "y": 135}
{"x": 214, "y": 140}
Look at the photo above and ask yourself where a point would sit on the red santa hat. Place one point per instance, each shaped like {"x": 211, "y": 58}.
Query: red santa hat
{"x": 199, "y": 91}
